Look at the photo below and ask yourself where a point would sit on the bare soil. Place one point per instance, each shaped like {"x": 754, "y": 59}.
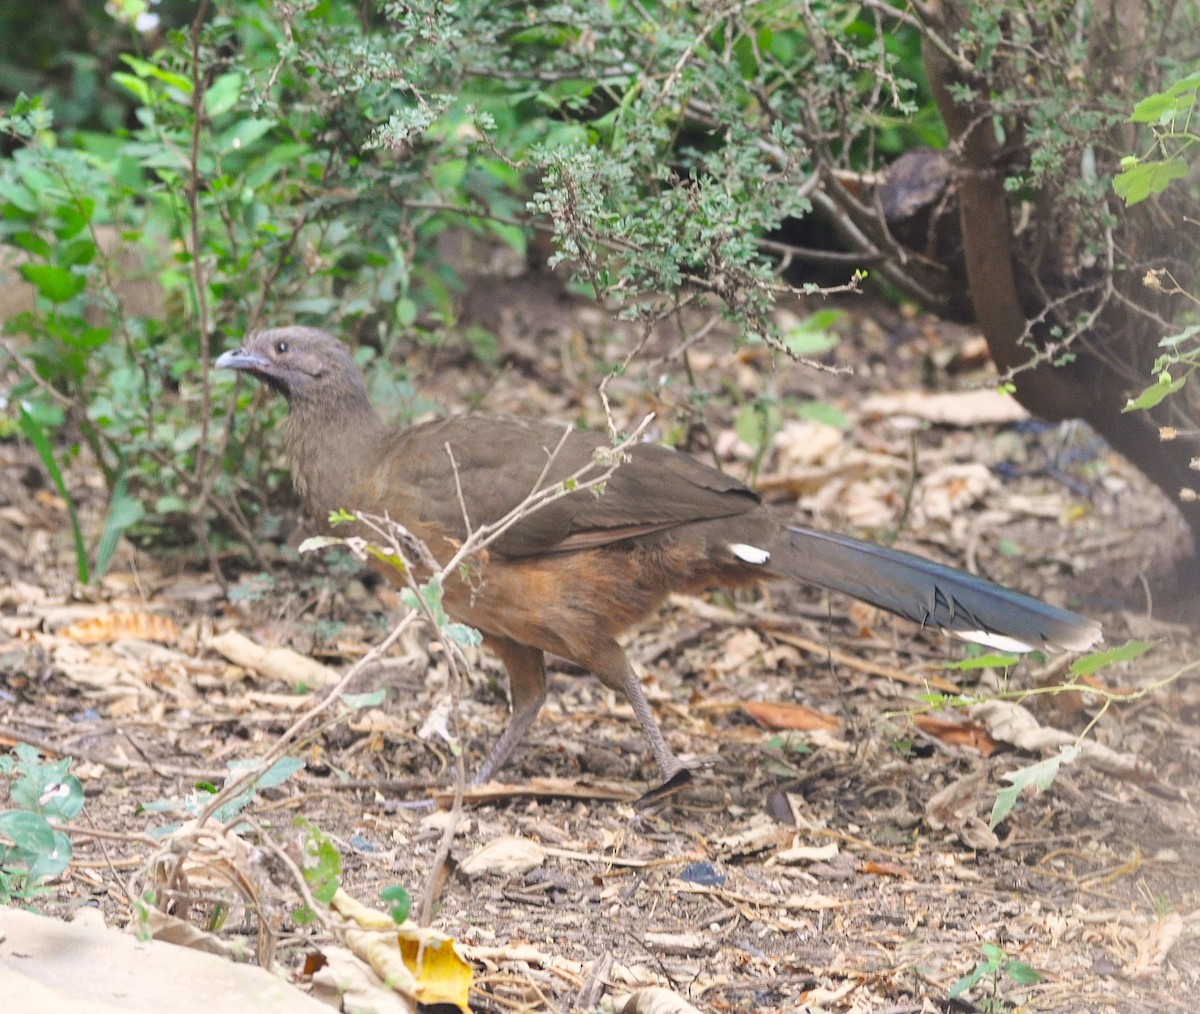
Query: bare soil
{"x": 800, "y": 867}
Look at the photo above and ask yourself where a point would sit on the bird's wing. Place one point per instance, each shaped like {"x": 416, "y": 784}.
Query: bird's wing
{"x": 498, "y": 461}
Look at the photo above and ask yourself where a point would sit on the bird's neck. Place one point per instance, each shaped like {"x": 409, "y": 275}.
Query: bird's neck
{"x": 332, "y": 445}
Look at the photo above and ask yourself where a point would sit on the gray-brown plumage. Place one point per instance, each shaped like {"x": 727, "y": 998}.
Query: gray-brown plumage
{"x": 570, "y": 577}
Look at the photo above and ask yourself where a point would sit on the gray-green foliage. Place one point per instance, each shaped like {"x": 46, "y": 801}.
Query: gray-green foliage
{"x": 295, "y": 162}
{"x": 664, "y": 139}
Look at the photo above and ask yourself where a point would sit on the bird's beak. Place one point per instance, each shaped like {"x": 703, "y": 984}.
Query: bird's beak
{"x": 240, "y": 359}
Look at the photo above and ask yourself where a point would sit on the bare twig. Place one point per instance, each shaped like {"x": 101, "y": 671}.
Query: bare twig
{"x": 193, "y": 199}
{"x": 277, "y": 749}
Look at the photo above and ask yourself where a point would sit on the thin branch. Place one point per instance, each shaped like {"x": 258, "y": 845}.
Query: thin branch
{"x": 41, "y": 383}
{"x": 241, "y": 781}
{"x": 192, "y": 191}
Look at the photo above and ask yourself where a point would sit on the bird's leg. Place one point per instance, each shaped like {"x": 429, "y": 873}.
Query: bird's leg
{"x": 611, "y": 667}
{"x": 527, "y": 687}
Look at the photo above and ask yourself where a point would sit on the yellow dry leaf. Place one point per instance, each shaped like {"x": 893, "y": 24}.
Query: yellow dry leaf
{"x": 420, "y": 963}
{"x": 124, "y": 626}
{"x": 442, "y": 974}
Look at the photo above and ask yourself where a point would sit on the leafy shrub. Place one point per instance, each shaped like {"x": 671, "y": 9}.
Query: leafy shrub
{"x": 295, "y": 162}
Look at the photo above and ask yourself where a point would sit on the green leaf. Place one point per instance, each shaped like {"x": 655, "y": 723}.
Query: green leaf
{"x": 823, "y": 412}
{"x": 36, "y": 778}
{"x": 1021, "y": 973}
{"x": 31, "y": 242}
{"x": 89, "y": 337}
{"x": 940, "y": 701}
{"x": 135, "y": 86}
{"x": 398, "y": 902}
{"x": 145, "y": 69}
{"x": 267, "y": 164}
{"x": 54, "y": 860}
{"x": 1099, "y": 659}
{"x": 322, "y": 865}
{"x": 222, "y": 94}
{"x": 1150, "y": 178}
{"x": 1009, "y": 548}
{"x": 431, "y": 596}
{"x": 812, "y": 336}
{"x": 171, "y": 503}
{"x": 995, "y": 955}
{"x": 750, "y": 425}
{"x": 56, "y": 284}
{"x": 405, "y": 310}
{"x": 1040, "y": 775}
{"x": 123, "y": 512}
{"x": 460, "y": 633}
{"x": 37, "y": 437}
{"x": 29, "y": 832}
{"x": 1155, "y": 393}
{"x": 1163, "y": 106}
{"x": 968, "y": 981}
{"x": 790, "y": 744}
{"x": 61, "y": 800}
{"x": 242, "y": 134}
{"x": 388, "y": 557}
{"x": 1173, "y": 341}
{"x": 1154, "y": 108}
{"x": 278, "y": 773}
{"x": 44, "y": 851}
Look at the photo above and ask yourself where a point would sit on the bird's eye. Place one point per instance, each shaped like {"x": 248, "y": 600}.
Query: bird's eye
{"x": 281, "y": 347}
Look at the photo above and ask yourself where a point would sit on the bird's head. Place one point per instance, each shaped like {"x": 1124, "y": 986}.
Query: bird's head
{"x": 303, "y": 364}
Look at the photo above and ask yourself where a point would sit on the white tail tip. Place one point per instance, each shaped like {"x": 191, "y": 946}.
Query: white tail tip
{"x": 997, "y": 641}
{"x": 749, "y": 554}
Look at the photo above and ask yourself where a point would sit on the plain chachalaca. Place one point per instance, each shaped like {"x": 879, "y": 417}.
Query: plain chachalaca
{"x": 571, "y": 576}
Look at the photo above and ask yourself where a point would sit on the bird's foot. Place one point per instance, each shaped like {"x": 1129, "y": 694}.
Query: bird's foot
{"x": 679, "y": 781}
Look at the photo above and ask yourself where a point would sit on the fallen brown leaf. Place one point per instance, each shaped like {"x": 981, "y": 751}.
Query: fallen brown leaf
{"x": 794, "y": 717}
{"x": 275, "y": 663}
{"x": 1154, "y": 944}
{"x": 883, "y": 869}
{"x": 124, "y": 626}
{"x": 955, "y": 732}
{"x": 509, "y": 855}
{"x": 955, "y": 807}
{"x": 656, "y": 1000}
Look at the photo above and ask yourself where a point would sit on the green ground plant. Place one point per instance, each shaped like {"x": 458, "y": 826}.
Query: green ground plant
{"x": 1002, "y": 977}
{"x": 44, "y": 795}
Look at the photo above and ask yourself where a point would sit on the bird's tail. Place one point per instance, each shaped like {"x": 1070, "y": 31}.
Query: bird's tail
{"x": 929, "y": 593}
